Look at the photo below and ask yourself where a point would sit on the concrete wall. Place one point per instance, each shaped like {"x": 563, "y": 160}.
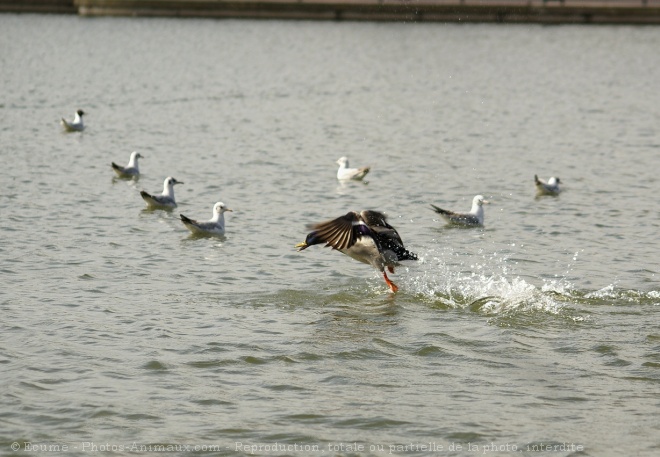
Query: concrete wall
{"x": 468, "y": 11}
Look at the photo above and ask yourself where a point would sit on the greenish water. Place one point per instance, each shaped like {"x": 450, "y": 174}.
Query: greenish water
{"x": 536, "y": 335}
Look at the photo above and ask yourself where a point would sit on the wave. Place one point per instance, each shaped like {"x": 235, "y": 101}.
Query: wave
{"x": 493, "y": 287}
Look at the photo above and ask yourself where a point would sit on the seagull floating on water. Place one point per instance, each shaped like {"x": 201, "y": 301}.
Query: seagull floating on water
{"x": 350, "y": 173}
{"x": 215, "y": 226}
{"x": 474, "y": 218}
{"x": 76, "y": 125}
{"x": 364, "y": 236}
{"x": 166, "y": 199}
{"x": 131, "y": 170}
{"x": 549, "y": 188}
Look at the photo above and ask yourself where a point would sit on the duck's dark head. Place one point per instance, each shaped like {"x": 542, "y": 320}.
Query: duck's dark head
{"x": 311, "y": 239}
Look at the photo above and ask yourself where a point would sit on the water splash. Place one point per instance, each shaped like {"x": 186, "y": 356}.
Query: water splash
{"x": 489, "y": 285}
{"x": 612, "y": 294}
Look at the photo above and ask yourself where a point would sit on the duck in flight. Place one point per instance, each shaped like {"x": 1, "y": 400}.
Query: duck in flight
{"x": 365, "y": 236}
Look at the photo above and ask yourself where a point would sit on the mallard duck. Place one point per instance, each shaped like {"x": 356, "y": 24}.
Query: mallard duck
{"x": 215, "y": 226}
{"x": 345, "y": 172}
{"x": 166, "y": 199}
{"x": 474, "y": 218}
{"x": 76, "y": 125}
{"x": 549, "y": 188}
{"x": 364, "y": 236}
{"x": 131, "y": 170}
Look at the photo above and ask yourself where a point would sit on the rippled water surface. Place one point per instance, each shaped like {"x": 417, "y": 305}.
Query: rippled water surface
{"x": 539, "y": 333}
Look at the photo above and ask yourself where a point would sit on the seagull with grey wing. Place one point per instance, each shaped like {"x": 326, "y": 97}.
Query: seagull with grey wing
{"x": 474, "y": 218}
{"x": 215, "y": 226}
{"x": 345, "y": 172}
{"x": 547, "y": 188}
{"x": 76, "y": 125}
{"x": 164, "y": 200}
{"x": 131, "y": 170}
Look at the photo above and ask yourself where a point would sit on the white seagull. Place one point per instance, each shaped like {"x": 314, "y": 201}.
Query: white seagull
{"x": 76, "y": 125}
{"x": 365, "y": 236}
{"x": 474, "y": 218}
{"x": 549, "y": 188}
{"x": 350, "y": 173}
{"x": 131, "y": 170}
{"x": 166, "y": 199}
{"x": 215, "y": 226}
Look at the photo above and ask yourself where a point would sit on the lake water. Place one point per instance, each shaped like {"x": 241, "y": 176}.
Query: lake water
{"x": 536, "y": 335}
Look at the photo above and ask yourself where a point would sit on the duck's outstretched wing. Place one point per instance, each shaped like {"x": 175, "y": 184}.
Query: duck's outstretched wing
{"x": 340, "y": 233}
{"x": 377, "y": 222}
{"x": 386, "y": 235}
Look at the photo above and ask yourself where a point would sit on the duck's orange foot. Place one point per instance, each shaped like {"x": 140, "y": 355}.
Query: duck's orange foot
{"x": 390, "y": 269}
{"x": 393, "y": 287}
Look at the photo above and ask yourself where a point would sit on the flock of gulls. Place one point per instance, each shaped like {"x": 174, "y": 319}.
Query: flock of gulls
{"x": 364, "y": 236}
{"x": 213, "y": 227}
